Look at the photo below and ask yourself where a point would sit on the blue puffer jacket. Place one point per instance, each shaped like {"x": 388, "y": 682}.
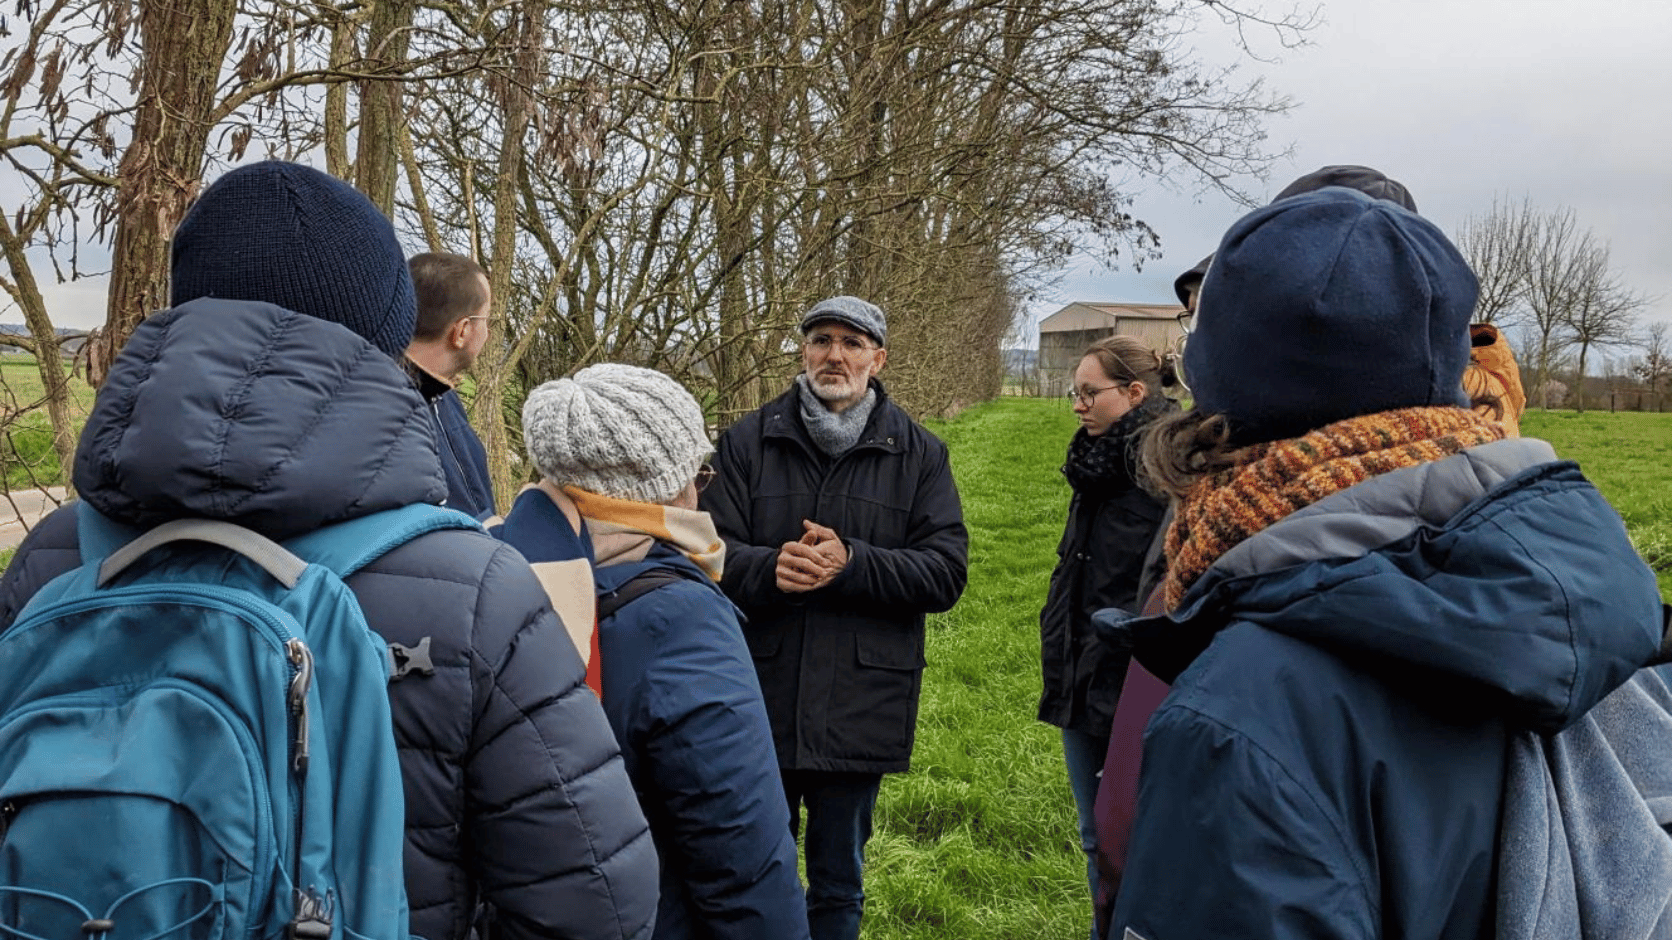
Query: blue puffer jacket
{"x": 515, "y": 791}
{"x": 1331, "y": 760}
{"x": 682, "y": 696}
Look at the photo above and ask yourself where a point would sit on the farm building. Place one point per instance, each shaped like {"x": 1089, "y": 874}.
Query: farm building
{"x": 1064, "y": 335}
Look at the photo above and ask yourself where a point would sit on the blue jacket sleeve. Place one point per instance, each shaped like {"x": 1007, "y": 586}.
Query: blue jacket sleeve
{"x": 710, "y": 777}
{"x": 560, "y": 844}
{"x": 929, "y": 571}
{"x": 1228, "y": 843}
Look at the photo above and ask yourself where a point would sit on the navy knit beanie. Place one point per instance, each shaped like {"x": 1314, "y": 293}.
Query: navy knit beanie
{"x": 1362, "y": 178}
{"x": 287, "y": 234}
{"x": 1326, "y": 306}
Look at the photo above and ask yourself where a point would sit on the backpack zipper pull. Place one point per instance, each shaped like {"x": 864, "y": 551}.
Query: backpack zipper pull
{"x": 302, "y": 659}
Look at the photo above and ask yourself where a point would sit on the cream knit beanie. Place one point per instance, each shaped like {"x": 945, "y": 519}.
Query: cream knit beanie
{"x": 618, "y": 431}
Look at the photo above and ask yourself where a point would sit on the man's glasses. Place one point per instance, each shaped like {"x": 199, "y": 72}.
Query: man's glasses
{"x": 850, "y": 343}
{"x": 705, "y": 476}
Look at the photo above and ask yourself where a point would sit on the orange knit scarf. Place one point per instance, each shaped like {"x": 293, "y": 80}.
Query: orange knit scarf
{"x": 1272, "y": 480}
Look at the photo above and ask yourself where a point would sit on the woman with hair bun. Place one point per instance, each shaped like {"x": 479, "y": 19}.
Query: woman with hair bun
{"x": 1118, "y": 390}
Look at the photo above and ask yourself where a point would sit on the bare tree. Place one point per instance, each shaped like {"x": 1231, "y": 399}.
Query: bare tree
{"x": 1499, "y": 248}
{"x": 1602, "y": 311}
{"x": 1560, "y": 255}
{"x": 1654, "y": 367}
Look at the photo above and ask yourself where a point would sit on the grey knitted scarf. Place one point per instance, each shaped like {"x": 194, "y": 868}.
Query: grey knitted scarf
{"x": 833, "y": 433}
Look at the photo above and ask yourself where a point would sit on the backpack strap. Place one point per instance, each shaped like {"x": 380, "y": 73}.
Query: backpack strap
{"x": 634, "y": 588}
{"x": 270, "y": 555}
{"x": 114, "y": 547}
{"x": 346, "y": 547}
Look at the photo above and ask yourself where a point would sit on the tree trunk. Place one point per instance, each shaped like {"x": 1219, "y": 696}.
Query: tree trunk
{"x": 336, "y": 101}
{"x": 183, "y": 45}
{"x": 377, "y": 157}
{"x": 1579, "y": 383}
{"x": 494, "y": 367}
{"x": 54, "y": 380}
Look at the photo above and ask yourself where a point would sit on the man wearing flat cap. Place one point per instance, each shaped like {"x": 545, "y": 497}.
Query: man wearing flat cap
{"x": 843, "y": 529}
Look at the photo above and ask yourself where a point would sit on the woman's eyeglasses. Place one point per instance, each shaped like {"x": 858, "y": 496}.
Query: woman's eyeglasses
{"x": 705, "y": 476}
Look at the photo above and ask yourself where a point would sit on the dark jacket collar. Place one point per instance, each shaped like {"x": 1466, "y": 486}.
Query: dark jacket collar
{"x": 430, "y": 385}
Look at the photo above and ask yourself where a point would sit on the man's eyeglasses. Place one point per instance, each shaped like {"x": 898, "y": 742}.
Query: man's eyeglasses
{"x": 850, "y": 343}
{"x": 705, "y": 476}
{"x": 1089, "y": 396}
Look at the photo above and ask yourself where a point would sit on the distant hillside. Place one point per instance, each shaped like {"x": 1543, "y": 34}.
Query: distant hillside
{"x": 18, "y": 329}
{"x": 1017, "y": 361}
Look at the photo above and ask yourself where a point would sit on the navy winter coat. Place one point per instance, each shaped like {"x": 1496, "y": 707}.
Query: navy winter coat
{"x": 515, "y": 791}
{"x": 683, "y": 700}
{"x": 463, "y": 459}
{"x": 841, "y": 667}
{"x": 1331, "y": 759}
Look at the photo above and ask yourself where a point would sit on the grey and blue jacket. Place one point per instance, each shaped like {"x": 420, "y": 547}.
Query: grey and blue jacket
{"x": 1348, "y": 688}
{"x": 515, "y": 791}
{"x": 681, "y": 694}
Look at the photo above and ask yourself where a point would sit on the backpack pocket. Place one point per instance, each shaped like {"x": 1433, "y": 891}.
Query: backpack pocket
{"x": 112, "y": 836}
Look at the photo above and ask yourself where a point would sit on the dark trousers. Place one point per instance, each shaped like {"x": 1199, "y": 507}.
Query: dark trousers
{"x": 839, "y": 808}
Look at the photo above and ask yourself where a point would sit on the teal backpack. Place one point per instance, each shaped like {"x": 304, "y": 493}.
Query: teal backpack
{"x": 195, "y": 739}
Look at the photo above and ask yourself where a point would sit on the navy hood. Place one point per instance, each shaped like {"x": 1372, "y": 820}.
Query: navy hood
{"x": 253, "y": 414}
{"x": 1497, "y": 580}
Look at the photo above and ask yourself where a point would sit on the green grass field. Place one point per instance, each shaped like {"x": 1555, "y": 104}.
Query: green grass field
{"x": 26, "y": 455}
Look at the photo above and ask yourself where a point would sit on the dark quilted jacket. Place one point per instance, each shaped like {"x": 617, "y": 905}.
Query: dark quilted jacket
{"x": 515, "y": 791}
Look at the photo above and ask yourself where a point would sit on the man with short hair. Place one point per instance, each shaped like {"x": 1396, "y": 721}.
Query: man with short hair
{"x": 270, "y": 396}
{"x": 453, "y": 303}
{"x": 842, "y": 528}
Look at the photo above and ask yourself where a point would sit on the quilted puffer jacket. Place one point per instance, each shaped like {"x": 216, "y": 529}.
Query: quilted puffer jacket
{"x": 516, "y": 794}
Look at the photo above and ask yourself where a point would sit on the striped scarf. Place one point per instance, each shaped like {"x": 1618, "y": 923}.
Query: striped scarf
{"x": 624, "y": 530}
{"x": 1271, "y": 481}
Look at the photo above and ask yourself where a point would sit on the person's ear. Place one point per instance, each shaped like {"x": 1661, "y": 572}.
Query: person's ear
{"x": 458, "y": 335}
{"x": 1137, "y": 391}
{"x": 876, "y": 364}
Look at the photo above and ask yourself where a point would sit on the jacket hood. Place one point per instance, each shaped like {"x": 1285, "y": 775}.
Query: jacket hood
{"x": 1498, "y": 578}
{"x": 253, "y": 414}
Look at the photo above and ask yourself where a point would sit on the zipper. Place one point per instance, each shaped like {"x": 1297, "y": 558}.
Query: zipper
{"x": 301, "y": 664}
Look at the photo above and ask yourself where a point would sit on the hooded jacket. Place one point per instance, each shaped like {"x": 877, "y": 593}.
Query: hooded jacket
{"x": 1347, "y": 685}
{"x": 515, "y": 791}
{"x": 841, "y": 667}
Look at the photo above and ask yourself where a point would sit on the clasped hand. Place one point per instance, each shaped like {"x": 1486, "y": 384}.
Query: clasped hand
{"x": 811, "y": 562}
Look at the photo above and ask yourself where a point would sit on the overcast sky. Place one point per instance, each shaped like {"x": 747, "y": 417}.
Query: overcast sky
{"x": 1566, "y": 103}
{"x": 1569, "y": 104}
